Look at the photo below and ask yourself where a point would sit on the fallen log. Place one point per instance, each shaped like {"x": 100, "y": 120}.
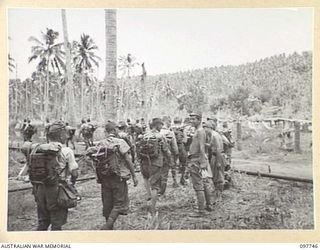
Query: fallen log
{"x": 30, "y": 187}
{"x": 275, "y": 176}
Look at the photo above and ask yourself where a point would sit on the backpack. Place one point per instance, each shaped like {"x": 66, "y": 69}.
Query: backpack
{"x": 178, "y": 132}
{"x": 43, "y": 165}
{"x": 87, "y": 130}
{"x": 148, "y": 147}
{"x": 30, "y": 130}
{"x": 106, "y": 159}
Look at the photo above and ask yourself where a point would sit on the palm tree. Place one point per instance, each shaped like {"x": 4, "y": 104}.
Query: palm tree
{"x": 84, "y": 60}
{"x": 111, "y": 62}
{"x": 69, "y": 93}
{"x": 50, "y": 55}
{"x": 126, "y": 63}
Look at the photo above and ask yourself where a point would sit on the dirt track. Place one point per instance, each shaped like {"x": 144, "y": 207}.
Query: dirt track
{"x": 254, "y": 203}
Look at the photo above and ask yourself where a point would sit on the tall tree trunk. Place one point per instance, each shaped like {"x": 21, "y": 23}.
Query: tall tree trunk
{"x": 69, "y": 95}
{"x": 26, "y": 97}
{"x": 16, "y": 93}
{"x": 143, "y": 91}
{"x": 46, "y": 100}
{"x": 31, "y": 99}
{"x": 111, "y": 62}
{"x": 82, "y": 96}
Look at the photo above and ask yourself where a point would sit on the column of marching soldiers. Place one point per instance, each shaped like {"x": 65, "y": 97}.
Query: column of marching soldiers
{"x": 198, "y": 151}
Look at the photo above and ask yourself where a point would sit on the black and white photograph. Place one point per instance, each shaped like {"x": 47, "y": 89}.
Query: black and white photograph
{"x": 160, "y": 119}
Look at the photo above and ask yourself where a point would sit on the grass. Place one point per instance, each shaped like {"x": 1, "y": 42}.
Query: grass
{"x": 253, "y": 203}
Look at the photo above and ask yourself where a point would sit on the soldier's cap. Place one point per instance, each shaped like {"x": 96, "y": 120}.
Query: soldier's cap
{"x": 156, "y": 121}
{"x": 122, "y": 124}
{"x": 166, "y": 118}
{"x": 207, "y": 125}
{"x": 56, "y": 126}
{"x": 110, "y": 126}
{"x": 177, "y": 120}
{"x": 198, "y": 115}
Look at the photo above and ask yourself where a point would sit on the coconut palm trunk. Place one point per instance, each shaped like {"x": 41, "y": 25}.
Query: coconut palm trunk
{"x": 69, "y": 94}
{"x": 111, "y": 62}
{"x": 26, "y": 97}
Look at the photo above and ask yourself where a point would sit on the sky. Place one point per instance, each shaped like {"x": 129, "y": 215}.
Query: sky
{"x": 171, "y": 40}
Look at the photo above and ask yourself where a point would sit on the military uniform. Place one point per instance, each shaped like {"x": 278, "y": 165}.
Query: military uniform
{"x": 198, "y": 169}
{"x": 181, "y": 137}
{"x": 216, "y": 159}
{"x": 114, "y": 188}
{"x": 28, "y": 132}
{"x": 151, "y": 167}
{"x": 70, "y": 134}
{"x": 49, "y": 211}
{"x": 129, "y": 140}
{"x": 167, "y": 163}
{"x": 84, "y": 130}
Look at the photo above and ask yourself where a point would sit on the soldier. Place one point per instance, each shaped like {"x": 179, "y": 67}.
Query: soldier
{"x": 198, "y": 166}
{"x": 51, "y": 167}
{"x": 90, "y": 132}
{"x": 84, "y": 131}
{"x": 181, "y": 138}
{"x": 151, "y": 150}
{"x": 189, "y": 131}
{"x": 143, "y": 125}
{"x": 24, "y": 124}
{"x": 173, "y": 147}
{"x": 28, "y": 131}
{"x": 114, "y": 167}
{"x": 70, "y": 133}
{"x": 216, "y": 160}
{"x": 123, "y": 134}
{"x": 46, "y": 129}
{"x": 228, "y": 144}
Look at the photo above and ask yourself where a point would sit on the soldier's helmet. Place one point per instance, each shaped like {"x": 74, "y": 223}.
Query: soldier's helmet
{"x": 156, "y": 121}
{"x": 197, "y": 115}
{"x": 207, "y": 124}
{"x": 110, "y": 126}
{"x": 122, "y": 124}
{"x": 83, "y": 121}
{"x": 56, "y": 127}
{"x": 177, "y": 120}
{"x": 166, "y": 119}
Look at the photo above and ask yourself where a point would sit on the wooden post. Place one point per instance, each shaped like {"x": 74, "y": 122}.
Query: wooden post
{"x": 297, "y": 148}
{"x": 239, "y": 136}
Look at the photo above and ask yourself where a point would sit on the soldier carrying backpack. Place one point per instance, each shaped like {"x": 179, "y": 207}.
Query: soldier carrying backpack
{"x": 52, "y": 171}
{"x": 151, "y": 150}
{"x": 113, "y": 165}
{"x": 181, "y": 137}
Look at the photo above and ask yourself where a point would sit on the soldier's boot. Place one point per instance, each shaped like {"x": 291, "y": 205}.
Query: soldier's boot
{"x": 218, "y": 193}
{"x": 209, "y": 200}
{"x": 183, "y": 178}
{"x": 110, "y": 220}
{"x": 154, "y": 197}
{"x": 174, "y": 178}
{"x": 147, "y": 186}
{"x": 201, "y": 205}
